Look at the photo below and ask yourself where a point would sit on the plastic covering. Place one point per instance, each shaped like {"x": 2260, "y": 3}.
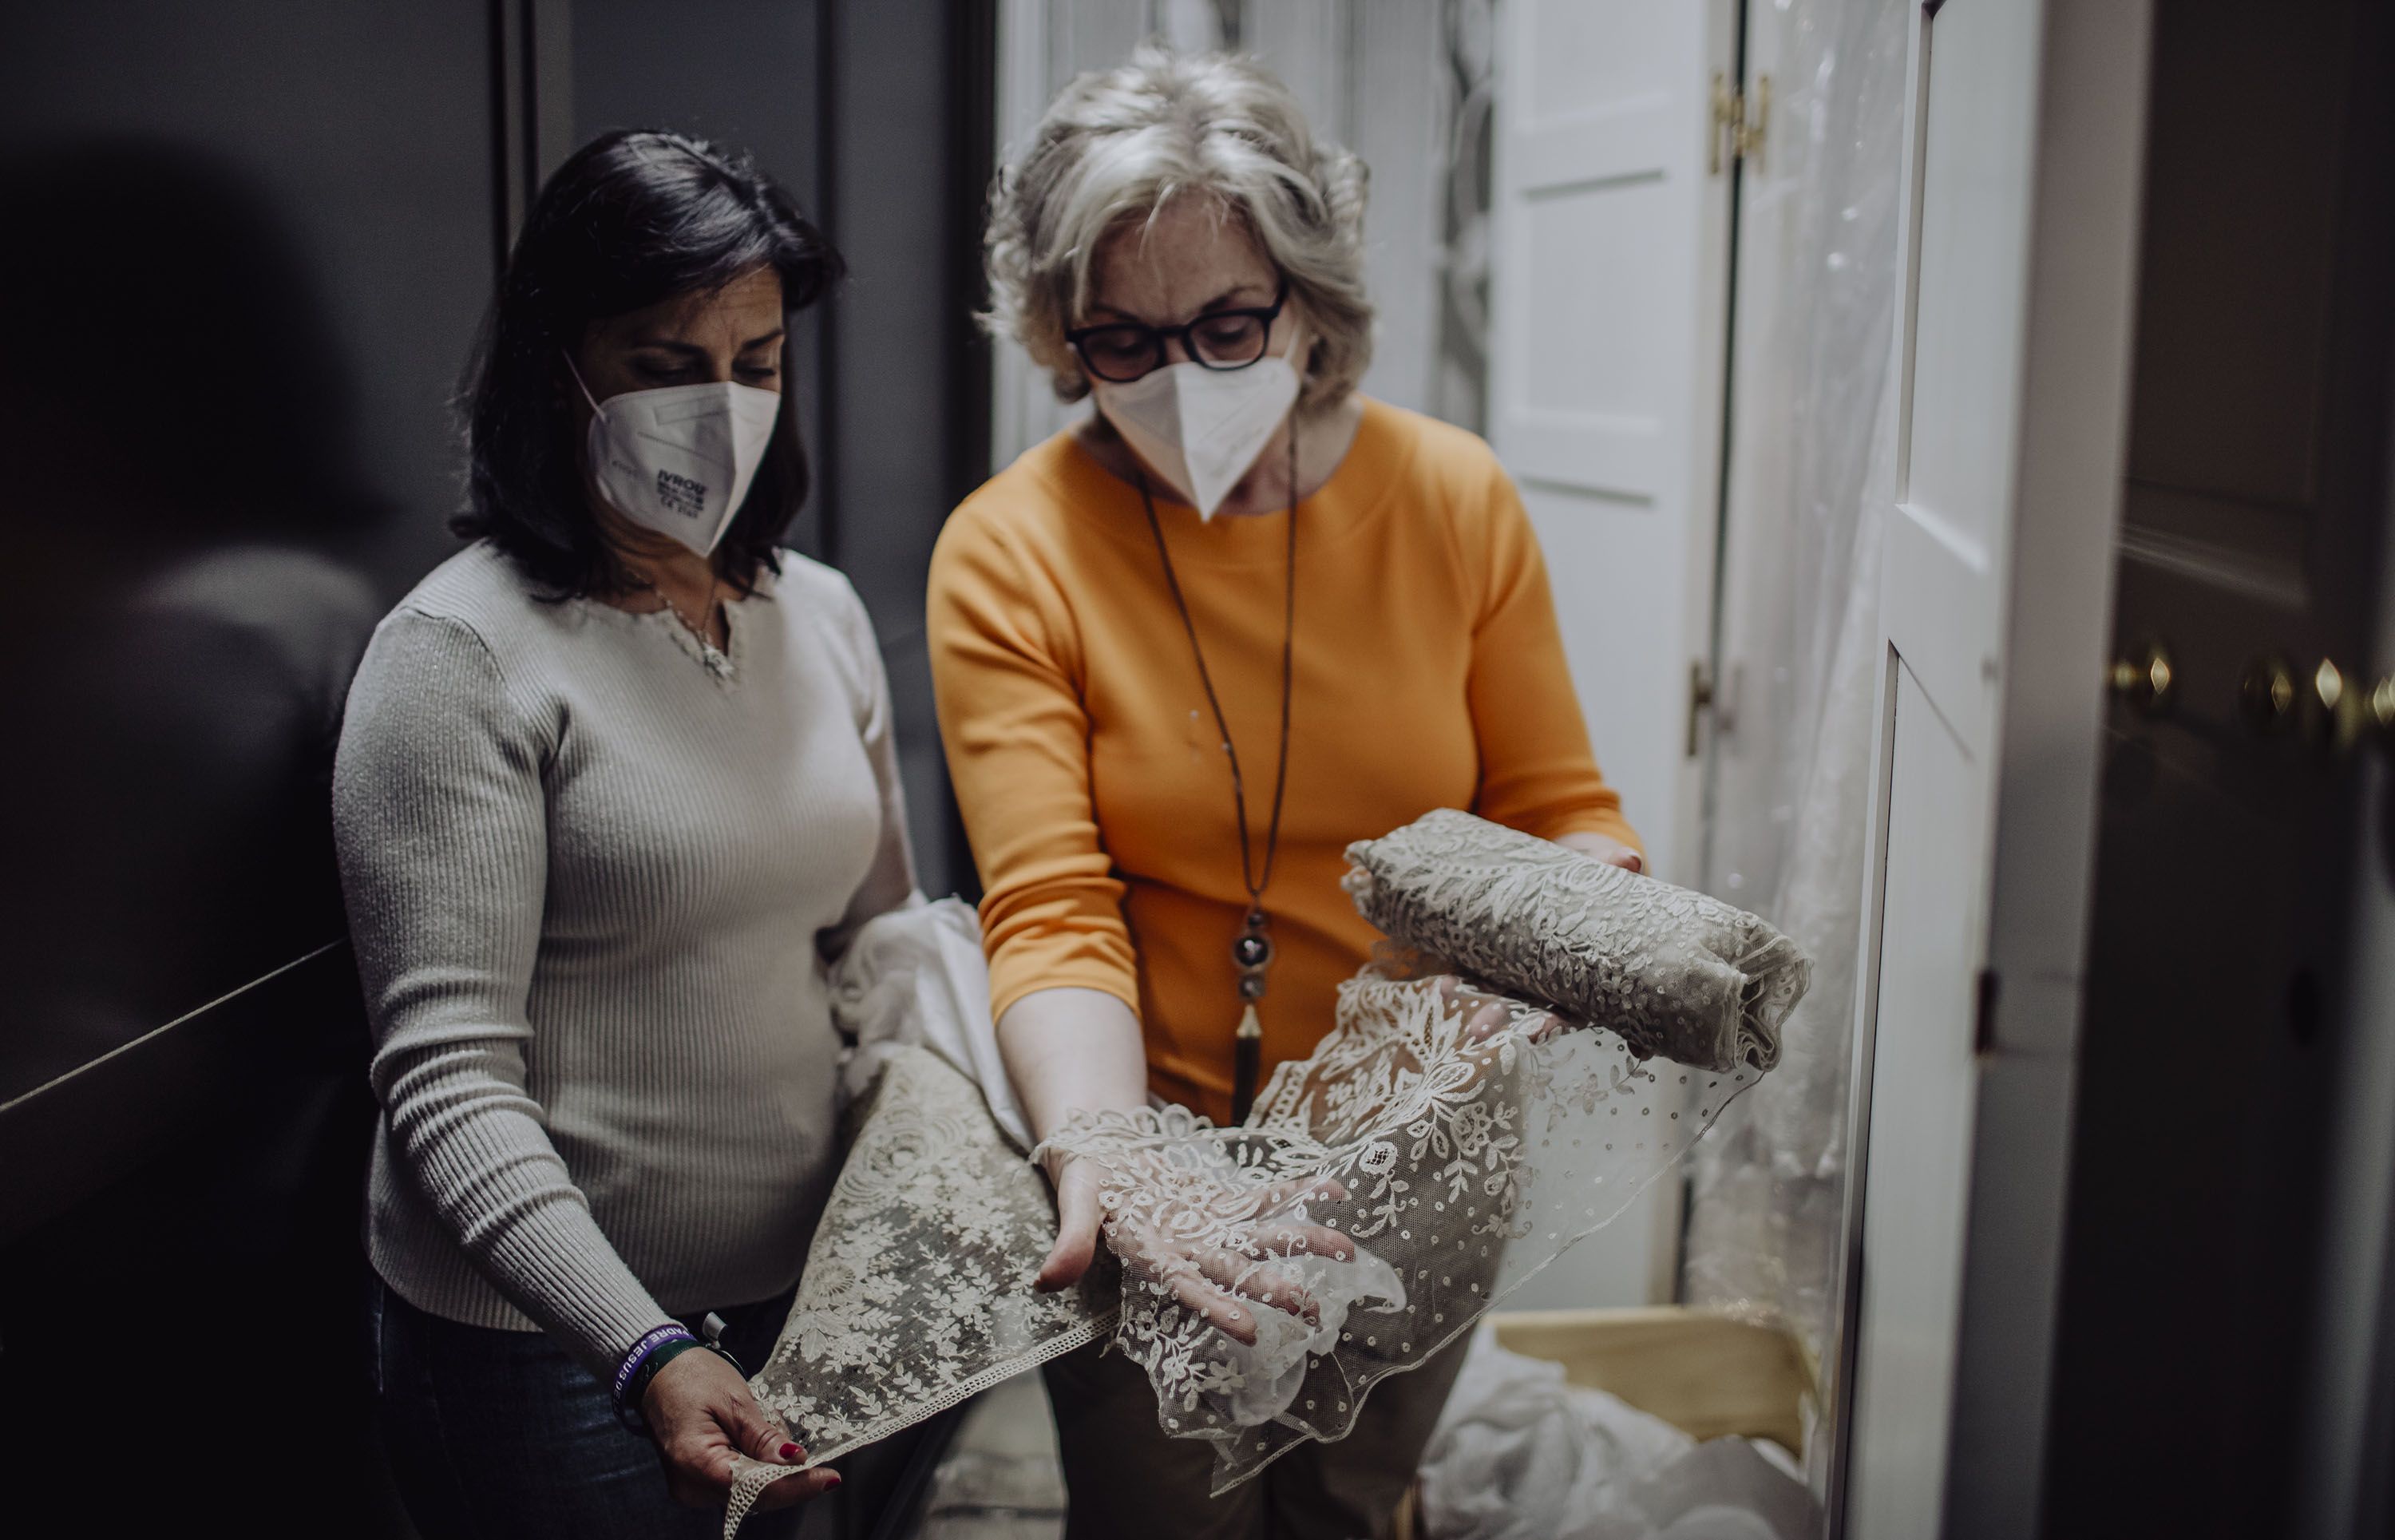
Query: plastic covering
{"x": 1812, "y": 466}
{"x": 1519, "y": 1454}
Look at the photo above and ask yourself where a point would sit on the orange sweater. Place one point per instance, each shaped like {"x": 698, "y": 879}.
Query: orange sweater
{"x": 1429, "y": 674}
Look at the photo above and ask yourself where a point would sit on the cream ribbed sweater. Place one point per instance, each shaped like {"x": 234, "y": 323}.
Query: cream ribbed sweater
{"x": 591, "y": 885}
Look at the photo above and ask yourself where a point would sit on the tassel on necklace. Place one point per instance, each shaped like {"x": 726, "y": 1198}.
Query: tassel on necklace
{"x": 1247, "y": 1055}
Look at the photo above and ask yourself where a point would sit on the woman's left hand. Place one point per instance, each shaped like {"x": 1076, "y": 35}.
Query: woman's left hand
{"x": 1611, "y": 852}
{"x": 1222, "y": 1279}
{"x": 1486, "y": 1014}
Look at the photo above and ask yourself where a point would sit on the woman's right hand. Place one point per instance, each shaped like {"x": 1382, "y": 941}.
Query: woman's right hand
{"x": 705, "y": 1420}
{"x": 1070, "y": 1050}
{"x": 1219, "y": 1284}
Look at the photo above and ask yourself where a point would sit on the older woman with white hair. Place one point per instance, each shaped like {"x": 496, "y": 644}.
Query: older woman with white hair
{"x": 1185, "y": 652}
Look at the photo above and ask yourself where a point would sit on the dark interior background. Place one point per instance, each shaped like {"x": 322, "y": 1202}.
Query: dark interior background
{"x": 248, "y": 245}
{"x": 2220, "y": 979}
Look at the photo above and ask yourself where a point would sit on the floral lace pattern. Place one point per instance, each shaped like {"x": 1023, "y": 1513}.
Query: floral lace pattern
{"x": 1669, "y": 971}
{"x": 1441, "y": 1146}
{"x": 1458, "y": 1158}
{"x": 917, "y": 1292}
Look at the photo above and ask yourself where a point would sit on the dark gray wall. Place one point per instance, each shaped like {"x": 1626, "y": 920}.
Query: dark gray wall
{"x": 876, "y": 116}
{"x": 247, "y": 246}
{"x": 743, "y": 73}
{"x": 906, "y": 375}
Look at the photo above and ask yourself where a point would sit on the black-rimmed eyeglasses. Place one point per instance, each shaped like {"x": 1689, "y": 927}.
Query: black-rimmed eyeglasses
{"x": 1121, "y": 351}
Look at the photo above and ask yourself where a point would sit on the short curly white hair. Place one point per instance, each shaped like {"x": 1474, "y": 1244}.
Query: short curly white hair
{"x": 1117, "y": 145}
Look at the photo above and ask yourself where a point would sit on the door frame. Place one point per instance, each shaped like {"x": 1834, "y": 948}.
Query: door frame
{"x": 2069, "y": 464}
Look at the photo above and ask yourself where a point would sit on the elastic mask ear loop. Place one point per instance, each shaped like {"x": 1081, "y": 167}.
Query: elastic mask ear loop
{"x": 1298, "y": 358}
{"x": 577, "y": 379}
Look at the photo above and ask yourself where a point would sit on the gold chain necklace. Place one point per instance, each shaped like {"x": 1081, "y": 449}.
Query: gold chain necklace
{"x": 711, "y": 653}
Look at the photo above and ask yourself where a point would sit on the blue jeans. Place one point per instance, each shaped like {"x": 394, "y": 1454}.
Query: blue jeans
{"x": 498, "y": 1435}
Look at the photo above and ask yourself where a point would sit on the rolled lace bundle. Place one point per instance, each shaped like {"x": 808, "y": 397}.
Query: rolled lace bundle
{"x": 1669, "y": 971}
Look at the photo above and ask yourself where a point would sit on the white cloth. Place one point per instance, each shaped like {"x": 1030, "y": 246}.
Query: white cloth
{"x": 1519, "y": 1454}
{"x": 917, "y": 976}
{"x": 591, "y": 883}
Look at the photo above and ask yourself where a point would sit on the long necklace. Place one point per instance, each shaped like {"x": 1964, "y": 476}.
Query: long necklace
{"x": 1252, "y": 953}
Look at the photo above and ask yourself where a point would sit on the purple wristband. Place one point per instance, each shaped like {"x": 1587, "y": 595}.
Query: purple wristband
{"x": 640, "y": 1355}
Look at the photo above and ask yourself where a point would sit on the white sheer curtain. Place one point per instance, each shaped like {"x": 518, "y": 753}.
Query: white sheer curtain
{"x": 1811, "y": 466}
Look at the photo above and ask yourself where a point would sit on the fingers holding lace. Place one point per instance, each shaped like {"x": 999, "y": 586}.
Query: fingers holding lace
{"x": 1485, "y": 1014}
{"x": 1169, "y": 1266}
{"x": 1220, "y": 1284}
{"x": 1271, "y": 1284}
{"x": 1211, "y": 1304}
{"x": 706, "y": 1425}
{"x": 1290, "y": 1239}
{"x": 1078, "y": 1213}
{"x": 1281, "y": 1195}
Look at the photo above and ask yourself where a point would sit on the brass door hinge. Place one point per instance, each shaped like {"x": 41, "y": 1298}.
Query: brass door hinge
{"x": 1738, "y": 125}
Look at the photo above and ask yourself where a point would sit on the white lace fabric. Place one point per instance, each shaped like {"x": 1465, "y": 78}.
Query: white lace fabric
{"x": 917, "y": 1293}
{"x": 1427, "y": 1159}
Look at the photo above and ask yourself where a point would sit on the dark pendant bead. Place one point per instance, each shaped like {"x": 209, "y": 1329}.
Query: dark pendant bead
{"x": 1251, "y": 986}
{"x": 1252, "y": 951}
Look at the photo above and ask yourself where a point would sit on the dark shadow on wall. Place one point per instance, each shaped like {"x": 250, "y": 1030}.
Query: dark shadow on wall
{"x": 179, "y": 615}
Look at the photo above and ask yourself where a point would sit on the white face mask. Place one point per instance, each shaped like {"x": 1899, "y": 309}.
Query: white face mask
{"x": 678, "y": 460}
{"x": 1201, "y": 428}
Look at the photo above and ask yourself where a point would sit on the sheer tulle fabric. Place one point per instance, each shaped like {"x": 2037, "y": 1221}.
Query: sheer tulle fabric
{"x": 1450, "y": 1150}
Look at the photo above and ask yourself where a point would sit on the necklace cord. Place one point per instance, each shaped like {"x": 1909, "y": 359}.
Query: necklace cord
{"x": 706, "y": 611}
{"x": 1248, "y": 875}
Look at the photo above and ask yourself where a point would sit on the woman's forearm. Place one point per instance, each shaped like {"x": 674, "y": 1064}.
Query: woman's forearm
{"x": 1072, "y": 1050}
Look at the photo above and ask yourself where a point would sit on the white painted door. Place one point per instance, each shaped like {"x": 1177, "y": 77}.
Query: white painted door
{"x": 2023, "y": 148}
{"x": 1609, "y": 274}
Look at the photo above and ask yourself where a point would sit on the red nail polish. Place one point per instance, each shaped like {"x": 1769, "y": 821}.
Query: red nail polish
{"x": 792, "y": 1452}
{"x": 833, "y": 1482}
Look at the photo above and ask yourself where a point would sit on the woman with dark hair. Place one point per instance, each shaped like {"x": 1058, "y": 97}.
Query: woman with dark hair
{"x": 616, "y": 781}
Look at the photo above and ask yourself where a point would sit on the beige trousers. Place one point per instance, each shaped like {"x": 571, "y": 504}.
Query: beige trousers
{"x": 1125, "y": 1480}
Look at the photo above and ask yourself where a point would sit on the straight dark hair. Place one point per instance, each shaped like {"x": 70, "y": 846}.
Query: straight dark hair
{"x": 631, "y": 218}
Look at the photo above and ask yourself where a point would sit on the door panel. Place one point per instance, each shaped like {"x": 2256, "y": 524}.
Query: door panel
{"x": 1941, "y": 593}
{"x": 2232, "y": 1125}
{"x": 2012, "y": 351}
{"x": 1929, "y": 950}
{"x": 1609, "y": 290}
{"x": 1978, "y": 113}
